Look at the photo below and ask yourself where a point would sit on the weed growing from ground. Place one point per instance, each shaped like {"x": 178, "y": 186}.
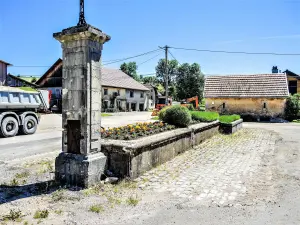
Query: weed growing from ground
{"x": 14, "y": 215}
{"x": 133, "y": 201}
{"x": 41, "y": 214}
{"x": 96, "y": 208}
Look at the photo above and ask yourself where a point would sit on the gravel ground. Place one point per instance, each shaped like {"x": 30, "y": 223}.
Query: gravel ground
{"x": 252, "y": 177}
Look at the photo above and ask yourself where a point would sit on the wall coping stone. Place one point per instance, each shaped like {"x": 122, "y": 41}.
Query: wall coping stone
{"x": 234, "y": 123}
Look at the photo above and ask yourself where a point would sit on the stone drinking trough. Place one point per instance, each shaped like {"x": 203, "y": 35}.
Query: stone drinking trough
{"x": 134, "y": 157}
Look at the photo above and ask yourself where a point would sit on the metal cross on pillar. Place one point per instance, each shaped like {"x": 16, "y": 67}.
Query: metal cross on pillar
{"x": 81, "y": 14}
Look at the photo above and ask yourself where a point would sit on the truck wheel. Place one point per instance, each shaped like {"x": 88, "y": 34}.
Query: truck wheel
{"x": 30, "y": 125}
{"x": 9, "y": 127}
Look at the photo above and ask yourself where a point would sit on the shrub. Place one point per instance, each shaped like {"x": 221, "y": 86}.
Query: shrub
{"x": 177, "y": 115}
{"x": 162, "y": 113}
{"x": 229, "y": 118}
{"x": 204, "y": 116}
{"x": 292, "y": 107}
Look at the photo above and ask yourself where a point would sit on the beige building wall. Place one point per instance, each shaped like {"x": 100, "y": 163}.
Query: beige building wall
{"x": 256, "y": 106}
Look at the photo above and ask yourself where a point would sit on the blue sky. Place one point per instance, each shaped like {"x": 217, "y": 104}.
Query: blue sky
{"x": 138, "y": 26}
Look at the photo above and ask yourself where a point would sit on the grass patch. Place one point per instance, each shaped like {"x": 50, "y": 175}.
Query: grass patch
{"x": 41, "y": 214}
{"x": 296, "y": 121}
{"x": 22, "y": 175}
{"x": 229, "y": 118}
{"x": 13, "y": 215}
{"x": 105, "y": 114}
{"x": 58, "y": 195}
{"x": 14, "y": 182}
{"x": 133, "y": 201}
{"x": 96, "y": 208}
{"x": 204, "y": 116}
{"x": 58, "y": 212}
{"x": 155, "y": 118}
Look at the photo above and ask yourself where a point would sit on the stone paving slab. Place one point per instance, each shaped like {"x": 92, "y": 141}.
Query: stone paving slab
{"x": 216, "y": 171}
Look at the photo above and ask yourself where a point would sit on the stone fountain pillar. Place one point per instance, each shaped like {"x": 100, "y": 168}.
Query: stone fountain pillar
{"x": 81, "y": 162}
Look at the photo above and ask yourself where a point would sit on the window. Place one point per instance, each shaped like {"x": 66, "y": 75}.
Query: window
{"x": 118, "y": 92}
{"x": 151, "y": 97}
{"x": 105, "y": 91}
{"x": 131, "y": 94}
{"x": 142, "y": 94}
{"x": 223, "y": 105}
{"x": 265, "y": 105}
{"x": 293, "y": 87}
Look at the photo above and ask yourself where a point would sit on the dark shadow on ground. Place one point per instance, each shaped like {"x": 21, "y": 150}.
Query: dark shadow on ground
{"x": 10, "y": 193}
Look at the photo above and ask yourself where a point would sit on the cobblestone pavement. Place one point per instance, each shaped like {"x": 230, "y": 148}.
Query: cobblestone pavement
{"x": 219, "y": 170}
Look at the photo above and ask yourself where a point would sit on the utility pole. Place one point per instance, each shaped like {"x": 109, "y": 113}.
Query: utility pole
{"x": 166, "y": 73}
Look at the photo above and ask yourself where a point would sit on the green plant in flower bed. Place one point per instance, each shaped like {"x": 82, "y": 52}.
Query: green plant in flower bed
{"x": 229, "y": 118}
{"x": 204, "y": 116}
{"x": 135, "y": 131}
{"x": 176, "y": 115}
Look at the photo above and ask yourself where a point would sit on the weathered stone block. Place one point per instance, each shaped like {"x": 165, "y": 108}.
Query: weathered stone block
{"x": 79, "y": 170}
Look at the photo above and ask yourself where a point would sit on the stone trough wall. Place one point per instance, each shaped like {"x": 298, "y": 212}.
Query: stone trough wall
{"x": 231, "y": 127}
{"x": 134, "y": 157}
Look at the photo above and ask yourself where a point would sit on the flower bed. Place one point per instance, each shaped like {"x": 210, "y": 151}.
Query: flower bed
{"x": 135, "y": 131}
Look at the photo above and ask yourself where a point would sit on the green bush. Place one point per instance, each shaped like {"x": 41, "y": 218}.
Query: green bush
{"x": 162, "y": 113}
{"x": 204, "y": 116}
{"x": 177, "y": 115}
{"x": 292, "y": 107}
{"x": 229, "y": 118}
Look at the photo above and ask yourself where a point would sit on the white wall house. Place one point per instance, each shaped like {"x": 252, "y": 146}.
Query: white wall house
{"x": 137, "y": 100}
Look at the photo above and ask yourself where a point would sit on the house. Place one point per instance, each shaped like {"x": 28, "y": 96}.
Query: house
{"x": 259, "y": 95}
{"x": 292, "y": 78}
{"x": 20, "y": 81}
{"x": 152, "y": 95}
{"x": 120, "y": 92}
{"x": 293, "y": 82}
{"x": 3, "y": 72}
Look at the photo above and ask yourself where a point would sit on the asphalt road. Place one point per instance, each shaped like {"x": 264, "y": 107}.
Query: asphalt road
{"x": 47, "y": 139}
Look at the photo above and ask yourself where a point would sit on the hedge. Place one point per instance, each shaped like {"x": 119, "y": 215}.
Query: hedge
{"x": 204, "y": 116}
{"x": 229, "y": 118}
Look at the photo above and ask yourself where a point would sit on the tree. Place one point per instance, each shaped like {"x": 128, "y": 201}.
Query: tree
{"x": 130, "y": 69}
{"x": 150, "y": 80}
{"x": 33, "y": 80}
{"x": 190, "y": 81}
{"x": 161, "y": 71}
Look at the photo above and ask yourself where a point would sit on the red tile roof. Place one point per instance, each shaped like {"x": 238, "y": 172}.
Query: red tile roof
{"x": 246, "y": 86}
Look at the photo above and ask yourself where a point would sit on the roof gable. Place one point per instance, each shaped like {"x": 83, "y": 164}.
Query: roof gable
{"x": 109, "y": 77}
{"x": 246, "y": 86}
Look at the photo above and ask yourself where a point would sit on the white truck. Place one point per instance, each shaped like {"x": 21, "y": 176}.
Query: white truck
{"x": 19, "y": 110}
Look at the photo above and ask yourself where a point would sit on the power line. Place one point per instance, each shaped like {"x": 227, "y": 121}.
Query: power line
{"x": 119, "y": 60}
{"x": 109, "y": 62}
{"x": 233, "y": 52}
{"x": 149, "y": 59}
{"x": 174, "y": 57}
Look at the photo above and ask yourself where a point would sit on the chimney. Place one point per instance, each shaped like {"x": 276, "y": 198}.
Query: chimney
{"x": 274, "y": 69}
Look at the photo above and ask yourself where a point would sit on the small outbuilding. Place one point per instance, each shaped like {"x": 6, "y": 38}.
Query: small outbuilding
{"x": 259, "y": 95}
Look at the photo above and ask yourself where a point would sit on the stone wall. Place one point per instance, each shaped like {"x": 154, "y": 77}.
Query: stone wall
{"x": 231, "y": 128}
{"x": 273, "y": 106}
{"x": 133, "y": 158}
